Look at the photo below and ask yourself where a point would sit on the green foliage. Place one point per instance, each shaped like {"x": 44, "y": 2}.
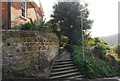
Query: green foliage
{"x": 64, "y": 41}
{"x": 37, "y": 25}
{"x": 25, "y": 26}
{"x": 68, "y": 16}
{"x": 98, "y": 41}
{"x": 117, "y": 50}
{"x": 101, "y": 49}
{"x": 56, "y": 27}
{"x": 92, "y": 67}
{"x": 88, "y": 41}
{"x": 62, "y": 44}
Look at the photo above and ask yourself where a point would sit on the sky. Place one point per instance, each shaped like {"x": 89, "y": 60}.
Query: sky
{"x": 103, "y": 12}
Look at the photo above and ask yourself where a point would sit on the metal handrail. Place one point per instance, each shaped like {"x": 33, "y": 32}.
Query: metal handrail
{"x": 53, "y": 63}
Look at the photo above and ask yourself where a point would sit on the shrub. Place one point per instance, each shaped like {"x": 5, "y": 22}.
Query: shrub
{"x": 37, "y": 25}
{"x": 91, "y": 66}
{"x": 117, "y": 50}
{"x": 26, "y": 26}
{"x": 63, "y": 41}
{"x": 100, "y": 51}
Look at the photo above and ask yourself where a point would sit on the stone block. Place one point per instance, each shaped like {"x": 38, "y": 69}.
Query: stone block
{"x": 28, "y": 52}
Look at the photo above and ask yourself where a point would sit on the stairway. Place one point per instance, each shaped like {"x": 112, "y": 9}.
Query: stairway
{"x": 65, "y": 69}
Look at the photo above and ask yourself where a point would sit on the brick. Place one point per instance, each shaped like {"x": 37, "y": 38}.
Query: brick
{"x": 16, "y": 14}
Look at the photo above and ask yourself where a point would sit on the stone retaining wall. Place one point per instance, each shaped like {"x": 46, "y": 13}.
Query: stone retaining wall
{"x": 28, "y": 53}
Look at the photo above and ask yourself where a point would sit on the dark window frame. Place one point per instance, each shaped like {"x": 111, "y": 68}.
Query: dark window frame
{"x": 24, "y": 8}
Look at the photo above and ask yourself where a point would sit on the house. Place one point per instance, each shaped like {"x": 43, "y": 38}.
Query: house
{"x": 15, "y": 13}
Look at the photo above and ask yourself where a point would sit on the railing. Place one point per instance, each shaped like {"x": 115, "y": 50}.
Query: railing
{"x": 52, "y": 63}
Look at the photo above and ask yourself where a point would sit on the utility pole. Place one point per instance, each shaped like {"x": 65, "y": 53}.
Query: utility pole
{"x": 82, "y": 33}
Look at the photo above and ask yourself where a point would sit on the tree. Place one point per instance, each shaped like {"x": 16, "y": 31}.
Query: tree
{"x": 68, "y": 15}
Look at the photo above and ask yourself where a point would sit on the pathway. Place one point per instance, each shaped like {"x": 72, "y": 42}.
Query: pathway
{"x": 64, "y": 68}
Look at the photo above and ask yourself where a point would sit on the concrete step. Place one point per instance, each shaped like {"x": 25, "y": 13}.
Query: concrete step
{"x": 64, "y": 62}
{"x": 63, "y": 68}
{"x": 64, "y": 72}
{"x": 60, "y": 66}
{"x": 65, "y": 75}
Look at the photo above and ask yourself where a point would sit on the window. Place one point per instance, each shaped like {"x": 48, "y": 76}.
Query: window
{"x": 23, "y": 6}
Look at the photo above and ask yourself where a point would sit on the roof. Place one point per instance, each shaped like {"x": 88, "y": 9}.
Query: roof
{"x": 37, "y": 4}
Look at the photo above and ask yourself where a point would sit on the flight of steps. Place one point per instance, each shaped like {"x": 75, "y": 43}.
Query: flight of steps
{"x": 65, "y": 69}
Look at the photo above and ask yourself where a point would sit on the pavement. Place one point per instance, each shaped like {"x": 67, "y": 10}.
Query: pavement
{"x": 64, "y": 55}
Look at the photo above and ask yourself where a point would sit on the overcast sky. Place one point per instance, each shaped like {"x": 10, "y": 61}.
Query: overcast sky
{"x": 103, "y": 12}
